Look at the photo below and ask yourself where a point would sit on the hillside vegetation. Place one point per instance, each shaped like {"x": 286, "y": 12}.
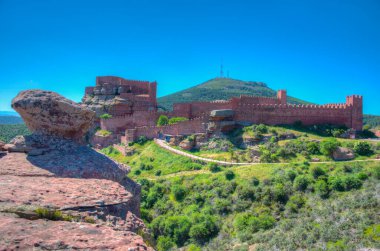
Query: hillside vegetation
{"x": 221, "y": 89}
{"x": 297, "y": 205}
{"x": 372, "y": 121}
{"x": 8, "y": 132}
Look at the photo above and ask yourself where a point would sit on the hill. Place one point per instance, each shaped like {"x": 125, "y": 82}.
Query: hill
{"x": 10, "y": 120}
{"x": 373, "y": 121}
{"x": 220, "y": 89}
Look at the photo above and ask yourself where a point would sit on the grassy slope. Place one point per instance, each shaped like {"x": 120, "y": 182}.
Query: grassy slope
{"x": 220, "y": 89}
{"x": 217, "y": 193}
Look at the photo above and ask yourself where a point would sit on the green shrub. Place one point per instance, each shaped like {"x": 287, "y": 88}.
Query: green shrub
{"x": 255, "y": 181}
{"x": 164, "y": 243}
{"x": 141, "y": 140}
{"x": 246, "y": 222}
{"x": 322, "y": 189}
{"x": 313, "y": 147}
{"x": 158, "y": 173}
{"x": 328, "y": 146}
{"x": 179, "y": 192}
{"x": 363, "y": 148}
{"x": 279, "y": 193}
{"x": 352, "y": 182}
{"x": 204, "y": 229}
{"x": 103, "y": 133}
{"x": 213, "y": 167}
{"x": 105, "y": 116}
{"x": 175, "y": 120}
{"x": 230, "y": 175}
{"x": 301, "y": 182}
{"x": 162, "y": 120}
{"x": 336, "y": 183}
{"x": 317, "y": 171}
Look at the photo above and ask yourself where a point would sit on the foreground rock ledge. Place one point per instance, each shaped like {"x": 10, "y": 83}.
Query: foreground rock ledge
{"x": 104, "y": 211}
{"x": 49, "y": 113}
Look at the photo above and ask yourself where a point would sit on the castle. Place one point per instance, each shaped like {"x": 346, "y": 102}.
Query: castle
{"x": 133, "y": 107}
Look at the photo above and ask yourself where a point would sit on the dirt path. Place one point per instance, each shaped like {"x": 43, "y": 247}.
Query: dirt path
{"x": 164, "y": 145}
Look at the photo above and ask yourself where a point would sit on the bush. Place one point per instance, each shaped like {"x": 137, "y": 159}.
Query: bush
{"x": 179, "y": 192}
{"x": 175, "y": 120}
{"x": 229, "y": 175}
{"x": 362, "y": 148}
{"x": 162, "y": 120}
{"x": 158, "y": 173}
{"x": 174, "y": 228}
{"x": 255, "y": 181}
{"x": 322, "y": 189}
{"x": 301, "y": 182}
{"x": 164, "y": 243}
{"x": 328, "y": 146}
{"x": 204, "y": 229}
{"x": 103, "y": 133}
{"x": 313, "y": 147}
{"x": 213, "y": 167}
{"x": 317, "y": 171}
{"x": 246, "y": 222}
{"x": 141, "y": 140}
{"x": 279, "y": 193}
{"x": 106, "y": 116}
{"x": 352, "y": 182}
{"x": 337, "y": 183}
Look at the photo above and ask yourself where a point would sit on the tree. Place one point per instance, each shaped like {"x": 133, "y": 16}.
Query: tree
{"x": 362, "y": 148}
{"x": 162, "y": 120}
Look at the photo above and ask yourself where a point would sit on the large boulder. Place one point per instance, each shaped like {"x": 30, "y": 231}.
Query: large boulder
{"x": 49, "y": 113}
{"x": 342, "y": 153}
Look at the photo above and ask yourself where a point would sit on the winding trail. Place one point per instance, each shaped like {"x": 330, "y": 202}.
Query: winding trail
{"x": 164, "y": 145}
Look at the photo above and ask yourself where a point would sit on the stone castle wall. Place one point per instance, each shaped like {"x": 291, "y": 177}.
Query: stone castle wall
{"x": 137, "y": 114}
{"x": 275, "y": 111}
{"x": 196, "y": 125}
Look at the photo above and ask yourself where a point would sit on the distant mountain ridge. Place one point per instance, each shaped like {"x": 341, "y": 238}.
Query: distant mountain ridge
{"x": 221, "y": 89}
{"x": 10, "y": 120}
{"x": 9, "y": 113}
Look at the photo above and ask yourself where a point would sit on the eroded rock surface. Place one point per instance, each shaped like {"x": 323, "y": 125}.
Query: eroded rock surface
{"x": 46, "y": 112}
{"x": 22, "y": 234}
{"x": 343, "y": 153}
{"x": 27, "y": 185}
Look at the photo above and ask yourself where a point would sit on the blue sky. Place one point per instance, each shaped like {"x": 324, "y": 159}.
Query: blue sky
{"x": 319, "y": 51}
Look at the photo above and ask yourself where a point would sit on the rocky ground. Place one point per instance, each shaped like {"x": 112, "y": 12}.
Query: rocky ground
{"x": 99, "y": 213}
{"x": 58, "y": 194}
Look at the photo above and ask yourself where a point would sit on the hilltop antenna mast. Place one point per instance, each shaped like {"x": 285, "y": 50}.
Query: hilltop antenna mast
{"x": 221, "y": 69}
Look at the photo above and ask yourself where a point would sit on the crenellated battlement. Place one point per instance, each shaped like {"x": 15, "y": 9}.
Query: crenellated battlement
{"x": 133, "y": 106}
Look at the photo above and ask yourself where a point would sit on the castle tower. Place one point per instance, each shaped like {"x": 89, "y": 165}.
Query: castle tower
{"x": 355, "y": 102}
{"x": 281, "y": 96}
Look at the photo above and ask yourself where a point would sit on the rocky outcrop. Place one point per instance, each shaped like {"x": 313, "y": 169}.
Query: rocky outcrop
{"x": 46, "y": 112}
{"x": 342, "y": 153}
{"x": 58, "y": 194}
{"x": 187, "y": 144}
{"x": 99, "y": 210}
